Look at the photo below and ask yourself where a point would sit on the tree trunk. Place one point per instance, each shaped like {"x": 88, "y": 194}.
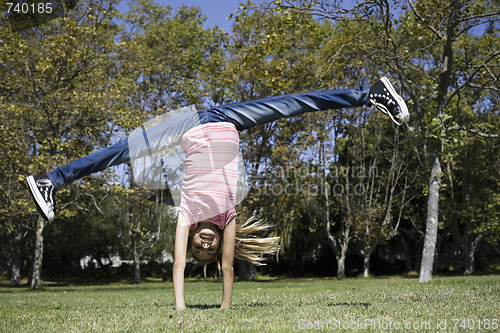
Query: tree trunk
{"x": 36, "y": 273}
{"x": 339, "y": 247}
{"x": 470, "y": 261}
{"x": 366, "y": 262}
{"x": 15, "y": 260}
{"x": 432, "y": 222}
{"x": 137, "y": 268}
{"x": 346, "y": 238}
{"x": 342, "y": 255}
{"x": 341, "y": 266}
{"x": 445, "y": 79}
{"x": 246, "y": 271}
{"x": 15, "y": 269}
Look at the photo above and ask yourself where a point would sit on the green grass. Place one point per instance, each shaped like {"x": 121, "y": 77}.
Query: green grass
{"x": 273, "y": 305}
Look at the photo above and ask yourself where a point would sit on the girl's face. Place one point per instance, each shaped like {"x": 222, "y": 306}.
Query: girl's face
{"x": 205, "y": 241}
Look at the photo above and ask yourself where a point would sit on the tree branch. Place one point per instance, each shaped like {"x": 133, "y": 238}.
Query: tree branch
{"x": 472, "y": 75}
{"x": 481, "y": 134}
{"x": 423, "y": 20}
{"x": 327, "y": 10}
{"x": 493, "y": 15}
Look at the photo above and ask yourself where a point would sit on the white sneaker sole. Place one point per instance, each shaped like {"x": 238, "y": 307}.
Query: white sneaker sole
{"x": 40, "y": 201}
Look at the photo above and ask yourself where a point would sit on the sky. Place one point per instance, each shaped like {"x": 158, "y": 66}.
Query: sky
{"x": 216, "y": 11}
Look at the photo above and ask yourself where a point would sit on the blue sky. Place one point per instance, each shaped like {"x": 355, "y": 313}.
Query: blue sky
{"x": 216, "y": 11}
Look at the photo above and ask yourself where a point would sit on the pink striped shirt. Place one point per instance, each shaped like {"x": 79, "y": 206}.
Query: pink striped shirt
{"x": 209, "y": 187}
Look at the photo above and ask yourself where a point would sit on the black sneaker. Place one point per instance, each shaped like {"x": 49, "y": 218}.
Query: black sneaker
{"x": 43, "y": 193}
{"x": 384, "y": 97}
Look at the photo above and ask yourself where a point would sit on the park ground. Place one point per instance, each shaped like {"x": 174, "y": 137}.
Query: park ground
{"x": 392, "y": 304}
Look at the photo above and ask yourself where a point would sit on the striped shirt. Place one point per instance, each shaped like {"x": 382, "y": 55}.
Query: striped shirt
{"x": 210, "y": 182}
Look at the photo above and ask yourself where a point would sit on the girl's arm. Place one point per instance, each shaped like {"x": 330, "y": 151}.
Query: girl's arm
{"x": 227, "y": 264}
{"x": 181, "y": 241}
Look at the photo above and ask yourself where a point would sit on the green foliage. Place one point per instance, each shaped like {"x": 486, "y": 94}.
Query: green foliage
{"x": 73, "y": 84}
{"x": 276, "y": 52}
{"x": 172, "y": 56}
{"x": 53, "y": 90}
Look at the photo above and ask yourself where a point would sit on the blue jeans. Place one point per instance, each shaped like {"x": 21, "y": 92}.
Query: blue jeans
{"x": 243, "y": 115}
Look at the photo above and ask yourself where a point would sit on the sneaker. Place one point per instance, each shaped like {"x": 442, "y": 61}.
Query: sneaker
{"x": 43, "y": 193}
{"x": 384, "y": 97}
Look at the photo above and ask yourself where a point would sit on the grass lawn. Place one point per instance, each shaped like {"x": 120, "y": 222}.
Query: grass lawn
{"x": 447, "y": 304}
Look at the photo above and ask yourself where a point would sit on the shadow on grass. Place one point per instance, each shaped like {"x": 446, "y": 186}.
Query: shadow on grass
{"x": 349, "y": 304}
{"x": 203, "y": 306}
{"x": 251, "y": 305}
{"x": 217, "y": 306}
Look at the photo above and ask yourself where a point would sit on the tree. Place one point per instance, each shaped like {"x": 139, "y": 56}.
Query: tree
{"x": 335, "y": 53}
{"x": 55, "y": 95}
{"x": 76, "y": 82}
{"x": 450, "y": 27}
{"x": 379, "y": 179}
{"x": 23, "y": 15}
{"x": 146, "y": 219}
{"x": 170, "y": 59}
{"x": 276, "y": 52}
{"x": 172, "y": 56}
{"x": 423, "y": 46}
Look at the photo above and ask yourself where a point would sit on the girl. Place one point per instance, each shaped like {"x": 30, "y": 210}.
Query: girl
{"x": 210, "y": 141}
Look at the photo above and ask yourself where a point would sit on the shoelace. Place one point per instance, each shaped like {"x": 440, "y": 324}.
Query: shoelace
{"x": 45, "y": 187}
{"x": 383, "y": 109}
{"x": 43, "y": 183}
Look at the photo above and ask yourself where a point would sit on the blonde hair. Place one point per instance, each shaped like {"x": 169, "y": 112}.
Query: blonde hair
{"x": 249, "y": 246}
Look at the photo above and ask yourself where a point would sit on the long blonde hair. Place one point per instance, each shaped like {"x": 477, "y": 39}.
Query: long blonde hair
{"x": 249, "y": 246}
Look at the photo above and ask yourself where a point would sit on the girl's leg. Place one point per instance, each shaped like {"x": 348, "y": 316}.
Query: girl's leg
{"x": 248, "y": 114}
{"x": 43, "y": 187}
{"x": 244, "y": 115}
{"x": 97, "y": 161}
{"x": 142, "y": 142}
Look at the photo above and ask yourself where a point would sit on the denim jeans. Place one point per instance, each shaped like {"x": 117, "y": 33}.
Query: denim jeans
{"x": 248, "y": 114}
{"x": 243, "y": 115}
